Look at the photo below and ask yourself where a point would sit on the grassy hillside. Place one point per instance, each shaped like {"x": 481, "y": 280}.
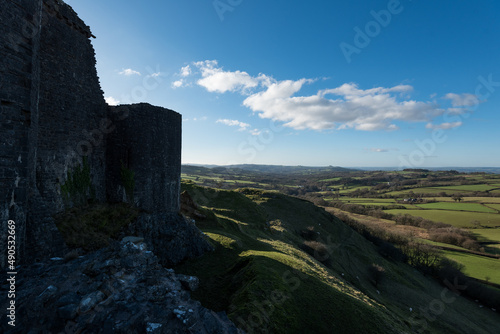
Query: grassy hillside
{"x": 262, "y": 274}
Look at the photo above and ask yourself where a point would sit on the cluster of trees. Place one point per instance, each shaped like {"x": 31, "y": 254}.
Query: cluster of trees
{"x": 439, "y": 232}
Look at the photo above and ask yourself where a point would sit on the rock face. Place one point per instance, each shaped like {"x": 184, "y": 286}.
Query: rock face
{"x": 120, "y": 289}
{"x": 189, "y": 207}
{"x": 54, "y": 119}
{"x": 171, "y": 236}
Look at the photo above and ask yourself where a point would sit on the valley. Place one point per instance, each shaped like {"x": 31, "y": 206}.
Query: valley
{"x": 381, "y": 243}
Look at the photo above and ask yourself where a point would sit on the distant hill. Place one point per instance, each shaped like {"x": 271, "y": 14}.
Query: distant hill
{"x": 278, "y": 169}
{"x": 273, "y": 169}
{"x": 492, "y": 170}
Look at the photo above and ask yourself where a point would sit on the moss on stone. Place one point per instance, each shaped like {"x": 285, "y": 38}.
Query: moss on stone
{"x": 92, "y": 227}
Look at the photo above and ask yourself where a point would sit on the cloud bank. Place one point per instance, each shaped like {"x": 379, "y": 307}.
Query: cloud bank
{"x": 344, "y": 107}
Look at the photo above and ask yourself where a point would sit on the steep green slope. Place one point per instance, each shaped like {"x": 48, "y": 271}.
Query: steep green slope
{"x": 261, "y": 274}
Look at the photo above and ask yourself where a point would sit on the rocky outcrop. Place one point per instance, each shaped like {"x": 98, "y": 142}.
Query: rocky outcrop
{"x": 189, "y": 206}
{"x": 120, "y": 289}
{"x": 172, "y": 237}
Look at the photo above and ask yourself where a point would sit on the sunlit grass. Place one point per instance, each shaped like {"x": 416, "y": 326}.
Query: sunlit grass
{"x": 455, "y": 218}
{"x": 457, "y": 207}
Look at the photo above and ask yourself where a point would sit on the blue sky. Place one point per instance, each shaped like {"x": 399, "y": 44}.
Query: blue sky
{"x": 355, "y": 84}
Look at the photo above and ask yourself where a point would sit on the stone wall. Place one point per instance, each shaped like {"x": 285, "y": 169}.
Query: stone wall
{"x": 71, "y": 105}
{"x": 18, "y": 94}
{"x": 145, "y": 140}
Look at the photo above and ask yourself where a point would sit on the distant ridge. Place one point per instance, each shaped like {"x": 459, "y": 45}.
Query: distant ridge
{"x": 275, "y": 169}
{"x": 493, "y": 170}
{"x": 314, "y": 169}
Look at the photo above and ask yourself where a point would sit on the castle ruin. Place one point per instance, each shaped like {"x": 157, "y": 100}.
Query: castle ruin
{"x": 53, "y": 117}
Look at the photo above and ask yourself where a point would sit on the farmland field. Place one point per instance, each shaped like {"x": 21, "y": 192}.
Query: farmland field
{"x": 469, "y": 187}
{"x": 476, "y": 207}
{"x": 356, "y": 200}
{"x": 480, "y": 199}
{"x": 423, "y": 190}
{"x": 483, "y": 200}
{"x": 494, "y": 206}
{"x": 488, "y": 234}
{"x": 440, "y": 244}
{"x": 330, "y": 180}
{"x": 455, "y": 218}
{"x": 477, "y": 266}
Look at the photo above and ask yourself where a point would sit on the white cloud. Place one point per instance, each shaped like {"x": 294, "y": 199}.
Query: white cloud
{"x": 344, "y": 107}
{"x": 443, "y": 126}
{"x": 155, "y": 75}
{"x": 129, "y": 72}
{"x": 215, "y": 79}
{"x": 178, "y": 83}
{"x": 185, "y": 71}
{"x": 379, "y": 150}
{"x": 232, "y": 122}
{"x": 112, "y": 101}
{"x": 352, "y": 90}
{"x": 462, "y": 100}
{"x": 350, "y": 107}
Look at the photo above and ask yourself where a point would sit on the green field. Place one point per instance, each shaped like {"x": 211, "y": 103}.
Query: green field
{"x": 483, "y": 200}
{"x": 356, "y": 200}
{"x": 350, "y": 189}
{"x": 455, "y": 218}
{"x": 477, "y": 266}
{"x": 468, "y": 187}
{"x": 487, "y": 234}
{"x": 447, "y": 189}
{"x": 494, "y": 206}
{"x": 330, "y": 180}
{"x": 440, "y": 244}
{"x": 476, "y": 207}
{"x": 418, "y": 191}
